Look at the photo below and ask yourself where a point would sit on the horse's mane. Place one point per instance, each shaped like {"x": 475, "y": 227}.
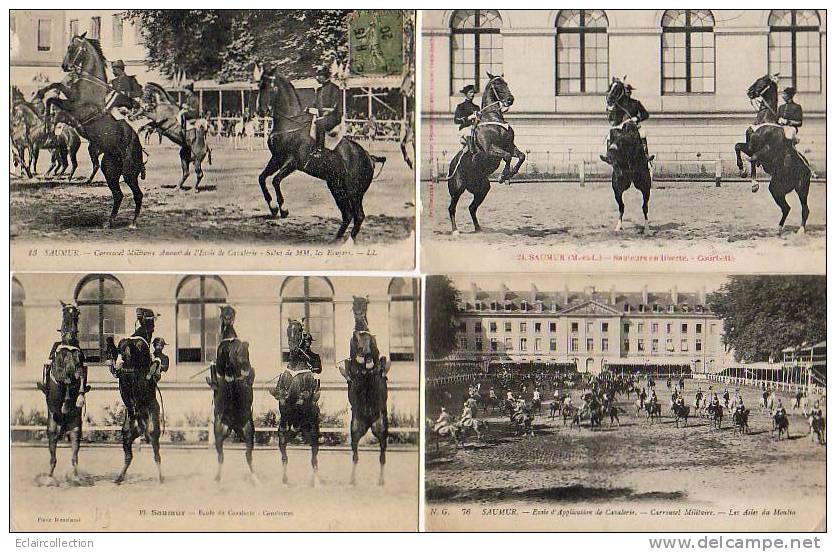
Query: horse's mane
{"x": 97, "y": 46}
{"x": 160, "y": 91}
{"x": 289, "y": 86}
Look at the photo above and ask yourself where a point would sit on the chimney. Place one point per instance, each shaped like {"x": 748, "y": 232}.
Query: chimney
{"x": 474, "y": 290}
{"x": 565, "y": 294}
{"x": 612, "y": 295}
{"x": 533, "y": 298}
{"x": 674, "y": 296}
{"x": 701, "y": 295}
{"x": 644, "y": 294}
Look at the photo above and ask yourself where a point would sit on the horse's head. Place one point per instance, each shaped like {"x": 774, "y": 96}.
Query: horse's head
{"x": 276, "y": 94}
{"x": 69, "y": 322}
{"x": 616, "y": 91}
{"x": 765, "y": 86}
{"x": 497, "y": 90}
{"x": 227, "y": 319}
{"x": 359, "y": 307}
{"x": 84, "y": 54}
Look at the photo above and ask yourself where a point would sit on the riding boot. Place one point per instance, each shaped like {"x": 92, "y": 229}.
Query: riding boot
{"x": 606, "y": 158}
{"x": 42, "y": 385}
{"x": 650, "y": 158}
{"x": 789, "y": 147}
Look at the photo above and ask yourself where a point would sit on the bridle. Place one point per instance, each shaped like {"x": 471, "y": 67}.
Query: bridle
{"x": 492, "y": 89}
{"x": 276, "y": 113}
{"x": 76, "y": 67}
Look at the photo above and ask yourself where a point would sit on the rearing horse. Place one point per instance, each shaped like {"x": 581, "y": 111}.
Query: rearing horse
{"x": 231, "y": 379}
{"x": 65, "y": 385}
{"x": 766, "y": 145}
{"x": 348, "y": 169}
{"x": 85, "y": 89}
{"x": 164, "y": 114}
{"x": 297, "y": 391}
{"x": 626, "y": 153}
{"x": 131, "y": 365}
{"x": 365, "y": 371}
{"x": 494, "y": 144}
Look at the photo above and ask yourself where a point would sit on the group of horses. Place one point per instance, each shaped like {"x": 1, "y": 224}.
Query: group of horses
{"x": 494, "y": 143}
{"x": 231, "y": 380}
{"x": 80, "y": 100}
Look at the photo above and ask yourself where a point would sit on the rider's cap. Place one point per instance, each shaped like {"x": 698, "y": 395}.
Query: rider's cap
{"x": 118, "y": 63}
{"x": 790, "y": 91}
{"x": 145, "y": 314}
{"x": 629, "y": 87}
{"x": 159, "y": 341}
{"x": 468, "y": 88}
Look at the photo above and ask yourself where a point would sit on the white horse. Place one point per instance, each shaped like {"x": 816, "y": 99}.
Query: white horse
{"x": 244, "y": 129}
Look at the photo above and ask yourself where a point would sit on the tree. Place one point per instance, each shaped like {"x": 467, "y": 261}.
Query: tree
{"x": 764, "y": 314}
{"x": 226, "y": 44}
{"x": 441, "y": 315}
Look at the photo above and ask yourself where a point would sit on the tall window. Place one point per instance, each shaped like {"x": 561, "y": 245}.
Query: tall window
{"x": 44, "y": 35}
{"x": 73, "y": 28}
{"x": 310, "y": 298}
{"x": 95, "y": 28}
{"x": 687, "y": 51}
{"x": 118, "y": 29}
{"x": 101, "y": 313}
{"x": 795, "y": 48}
{"x": 198, "y": 317}
{"x": 18, "y": 323}
{"x": 582, "y": 52}
{"x": 475, "y": 47}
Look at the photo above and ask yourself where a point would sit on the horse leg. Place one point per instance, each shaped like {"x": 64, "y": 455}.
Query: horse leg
{"x": 359, "y": 216}
{"x": 645, "y": 190}
{"x": 313, "y": 435}
{"x": 619, "y": 193}
{"x": 133, "y": 184}
{"x": 73, "y": 160}
{"x": 185, "y": 161}
{"x": 112, "y": 173}
{"x": 94, "y": 160}
{"x": 249, "y": 443}
{"x": 221, "y": 431}
{"x": 779, "y": 195}
{"x": 154, "y": 437}
{"x": 128, "y": 436}
{"x": 53, "y": 432}
{"x": 456, "y": 188}
{"x": 283, "y": 450}
{"x": 198, "y": 172}
{"x": 358, "y": 429}
{"x": 273, "y": 165}
{"x": 741, "y": 147}
{"x": 479, "y": 195}
{"x": 286, "y": 169}
{"x": 75, "y": 445}
{"x": 345, "y": 213}
{"x": 520, "y": 160}
{"x": 380, "y": 429}
{"x": 802, "y": 190}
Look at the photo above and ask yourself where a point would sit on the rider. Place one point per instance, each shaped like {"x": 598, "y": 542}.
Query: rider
{"x": 328, "y": 112}
{"x": 73, "y": 342}
{"x": 444, "y": 420}
{"x": 791, "y": 117}
{"x": 780, "y": 411}
{"x": 467, "y": 415}
{"x": 189, "y": 106}
{"x": 466, "y": 116}
{"x": 630, "y": 108}
{"x": 159, "y": 360}
{"x": 126, "y": 91}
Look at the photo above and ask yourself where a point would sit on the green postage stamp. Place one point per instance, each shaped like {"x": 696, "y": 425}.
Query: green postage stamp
{"x": 376, "y": 42}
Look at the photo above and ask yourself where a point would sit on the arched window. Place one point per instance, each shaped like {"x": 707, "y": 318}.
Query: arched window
{"x": 582, "y": 52}
{"x": 687, "y": 51}
{"x": 403, "y": 313}
{"x": 198, "y": 317}
{"x": 18, "y": 323}
{"x": 795, "y": 48}
{"x": 475, "y": 47}
{"x": 101, "y": 314}
{"x": 310, "y": 298}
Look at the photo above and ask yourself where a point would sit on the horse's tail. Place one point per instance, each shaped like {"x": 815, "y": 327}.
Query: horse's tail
{"x": 208, "y": 154}
{"x": 162, "y": 410}
{"x": 143, "y": 162}
{"x": 377, "y": 159}
{"x": 454, "y": 167}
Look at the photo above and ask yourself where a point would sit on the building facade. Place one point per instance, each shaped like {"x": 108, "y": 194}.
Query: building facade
{"x": 690, "y": 69}
{"x": 188, "y": 321}
{"x": 590, "y": 329}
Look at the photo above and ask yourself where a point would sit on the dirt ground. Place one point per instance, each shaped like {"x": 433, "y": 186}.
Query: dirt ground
{"x": 692, "y": 218}
{"x": 657, "y": 471}
{"x": 199, "y": 503}
{"x": 231, "y": 209}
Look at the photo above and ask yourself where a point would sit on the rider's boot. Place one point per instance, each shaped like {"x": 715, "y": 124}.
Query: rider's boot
{"x": 319, "y": 147}
{"x": 42, "y": 385}
{"x": 789, "y": 147}
{"x": 650, "y": 158}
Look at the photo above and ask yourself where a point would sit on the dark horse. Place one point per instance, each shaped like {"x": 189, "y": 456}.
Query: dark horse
{"x": 348, "y": 169}
{"x": 297, "y": 392}
{"x": 85, "y": 89}
{"x": 65, "y": 384}
{"x": 626, "y": 154}
{"x": 365, "y": 371}
{"x": 163, "y": 112}
{"x": 231, "y": 378}
{"x": 766, "y": 146}
{"x": 131, "y": 365}
{"x": 494, "y": 143}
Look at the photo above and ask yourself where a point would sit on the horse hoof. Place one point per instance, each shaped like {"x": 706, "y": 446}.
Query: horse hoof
{"x": 801, "y": 231}
{"x": 755, "y": 187}
{"x": 119, "y": 480}
{"x": 349, "y": 242}
{"x": 780, "y": 231}
{"x": 619, "y": 226}
{"x": 284, "y": 213}
{"x": 743, "y": 173}
{"x": 132, "y": 226}
{"x": 455, "y": 233}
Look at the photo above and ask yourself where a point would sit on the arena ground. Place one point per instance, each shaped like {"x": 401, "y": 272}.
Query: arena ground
{"x": 191, "y": 500}
{"x": 649, "y": 469}
{"x": 232, "y": 209}
{"x": 692, "y": 218}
